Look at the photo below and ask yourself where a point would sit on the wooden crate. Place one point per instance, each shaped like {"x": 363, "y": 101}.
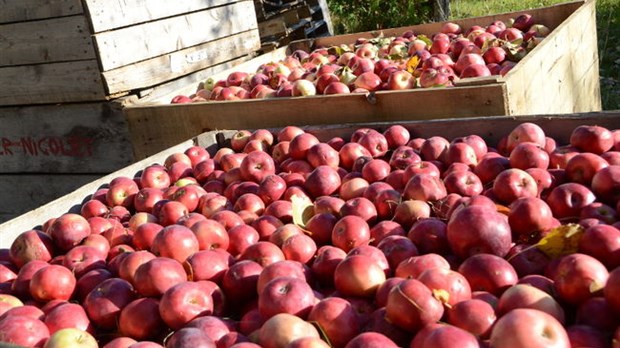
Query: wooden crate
{"x": 94, "y": 50}
{"x": 47, "y": 151}
{"x": 490, "y": 128}
{"x": 559, "y": 76}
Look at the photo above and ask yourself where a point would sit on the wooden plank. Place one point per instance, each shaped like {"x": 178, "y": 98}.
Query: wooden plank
{"x": 53, "y": 40}
{"x": 550, "y": 79}
{"x": 70, "y": 203}
{"x": 278, "y": 25}
{"x": 490, "y": 128}
{"x": 185, "y": 85}
{"x": 65, "y": 138}
{"x": 154, "y": 128}
{"x": 29, "y": 191}
{"x": 112, "y": 14}
{"x": 154, "y": 71}
{"x": 132, "y": 44}
{"x": 51, "y": 83}
{"x": 326, "y": 16}
{"x": 551, "y": 16}
{"x": 28, "y": 10}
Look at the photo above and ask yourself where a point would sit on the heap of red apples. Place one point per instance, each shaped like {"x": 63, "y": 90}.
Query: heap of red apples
{"x": 397, "y": 63}
{"x": 378, "y": 239}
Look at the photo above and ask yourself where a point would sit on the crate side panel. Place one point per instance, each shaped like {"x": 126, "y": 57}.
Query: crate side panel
{"x": 65, "y": 138}
{"x": 561, "y": 74}
{"x": 112, "y": 14}
{"x": 51, "y": 83}
{"x": 52, "y": 40}
{"x": 28, "y": 10}
{"x": 133, "y": 44}
{"x": 70, "y": 203}
{"x": 29, "y": 191}
{"x": 168, "y": 67}
{"x": 154, "y": 128}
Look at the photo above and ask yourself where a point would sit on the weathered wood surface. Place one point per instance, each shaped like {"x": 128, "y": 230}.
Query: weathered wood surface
{"x": 561, "y": 74}
{"x": 168, "y": 67}
{"x": 143, "y": 41}
{"x": 28, "y": 10}
{"x": 60, "y": 39}
{"x": 70, "y": 138}
{"x": 51, "y": 83}
{"x": 113, "y": 14}
{"x": 155, "y": 128}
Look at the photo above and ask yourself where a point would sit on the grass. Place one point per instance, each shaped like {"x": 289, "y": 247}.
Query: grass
{"x": 608, "y": 28}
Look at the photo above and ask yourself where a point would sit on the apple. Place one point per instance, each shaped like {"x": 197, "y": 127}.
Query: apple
{"x": 488, "y": 272}
{"x": 31, "y": 245}
{"x": 566, "y": 200}
{"x": 24, "y": 331}
{"x": 282, "y": 329}
{"x": 69, "y": 230}
{"x": 524, "y": 327}
{"x": 473, "y": 315}
{"x": 579, "y": 277}
{"x": 140, "y": 319}
{"x": 52, "y": 282}
{"x": 156, "y": 276}
{"x": 411, "y": 305}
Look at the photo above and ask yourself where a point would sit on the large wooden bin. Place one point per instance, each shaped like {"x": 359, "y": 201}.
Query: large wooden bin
{"x": 559, "y": 76}
{"x": 490, "y": 128}
{"x": 91, "y": 50}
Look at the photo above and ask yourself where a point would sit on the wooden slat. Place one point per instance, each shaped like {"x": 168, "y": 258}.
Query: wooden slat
{"x": 277, "y": 25}
{"x": 561, "y": 74}
{"x": 132, "y": 44}
{"x": 67, "y": 138}
{"x": 551, "y": 16}
{"x": 51, "y": 83}
{"x": 112, "y": 14}
{"x": 180, "y": 63}
{"x": 154, "y": 128}
{"x": 52, "y": 40}
{"x": 30, "y": 191}
{"x": 28, "y": 10}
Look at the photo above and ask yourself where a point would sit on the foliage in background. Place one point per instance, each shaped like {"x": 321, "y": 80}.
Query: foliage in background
{"x": 355, "y": 16}
{"x": 366, "y": 15}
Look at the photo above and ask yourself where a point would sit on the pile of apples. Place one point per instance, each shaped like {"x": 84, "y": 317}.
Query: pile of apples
{"x": 396, "y": 63}
{"x": 378, "y": 240}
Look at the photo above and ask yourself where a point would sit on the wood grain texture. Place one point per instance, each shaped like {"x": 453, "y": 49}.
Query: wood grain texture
{"x": 154, "y": 128}
{"x": 28, "y": 10}
{"x": 25, "y": 192}
{"x": 143, "y": 41}
{"x": 52, "y": 40}
{"x": 69, "y": 138}
{"x": 113, "y": 14}
{"x": 561, "y": 74}
{"x": 154, "y": 71}
{"x": 51, "y": 83}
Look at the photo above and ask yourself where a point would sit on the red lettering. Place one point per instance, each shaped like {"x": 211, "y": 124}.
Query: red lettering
{"x": 55, "y": 146}
{"x": 6, "y": 146}
{"x": 29, "y": 146}
{"x": 41, "y": 145}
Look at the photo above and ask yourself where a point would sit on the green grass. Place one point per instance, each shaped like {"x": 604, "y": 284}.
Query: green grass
{"x": 608, "y": 28}
{"x": 350, "y": 17}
